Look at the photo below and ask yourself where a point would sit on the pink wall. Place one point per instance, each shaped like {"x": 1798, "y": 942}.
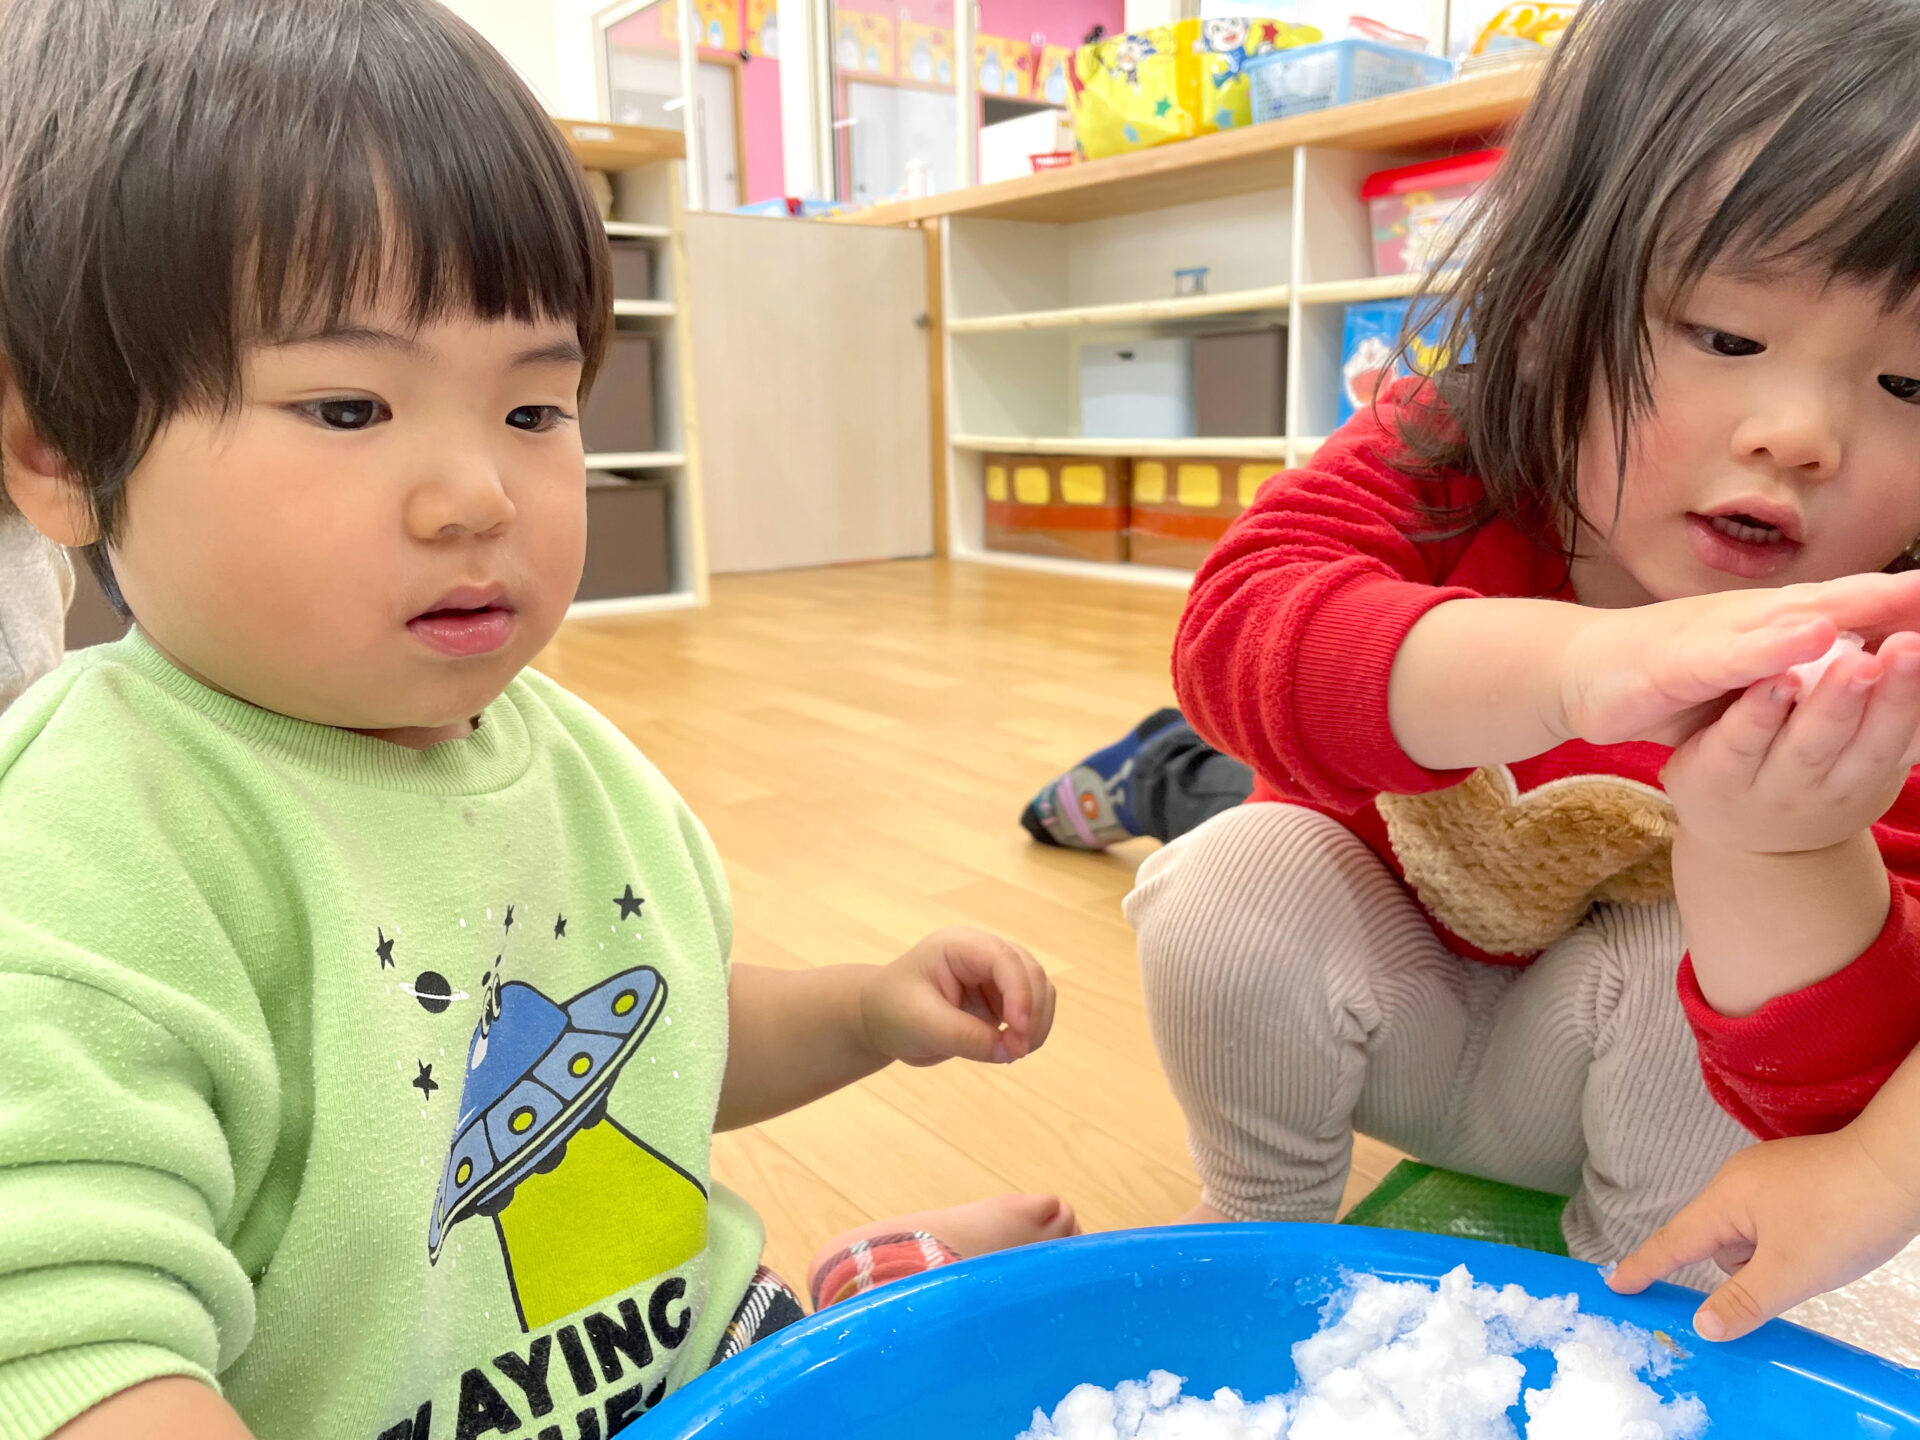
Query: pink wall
{"x": 1062, "y": 23}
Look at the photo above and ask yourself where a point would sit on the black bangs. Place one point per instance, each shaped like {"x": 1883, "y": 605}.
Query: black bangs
{"x": 181, "y": 177}
{"x": 1667, "y": 136}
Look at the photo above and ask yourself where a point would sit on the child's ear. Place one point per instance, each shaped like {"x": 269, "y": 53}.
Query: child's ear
{"x": 37, "y": 481}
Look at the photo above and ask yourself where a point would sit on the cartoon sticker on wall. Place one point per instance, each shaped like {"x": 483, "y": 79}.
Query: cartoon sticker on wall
{"x": 535, "y": 1151}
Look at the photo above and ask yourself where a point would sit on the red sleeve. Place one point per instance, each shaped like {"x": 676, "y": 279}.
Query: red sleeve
{"x": 1284, "y": 652}
{"x": 1808, "y": 1062}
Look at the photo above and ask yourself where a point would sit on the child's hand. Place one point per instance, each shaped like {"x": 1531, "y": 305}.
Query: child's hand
{"x": 963, "y": 993}
{"x": 1661, "y": 672}
{"x": 1788, "y": 1220}
{"x": 1781, "y": 772}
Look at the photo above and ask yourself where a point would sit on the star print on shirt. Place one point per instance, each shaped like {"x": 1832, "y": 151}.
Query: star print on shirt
{"x": 424, "y": 1081}
{"x": 629, "y": 903}
{"x": 384, "y": 949}
{"x": 559, "y": 927}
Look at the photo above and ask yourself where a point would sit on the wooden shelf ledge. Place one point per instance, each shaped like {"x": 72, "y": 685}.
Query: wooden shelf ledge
{"x": 1233, "y": 162}
{"x": 636, "y": 460}
{"x": 1224, "y": 447}
{"x": 601, "y": 146}
{"x": 1132, "y": 312}
{"x": 636, "y": 230}
{"x": 643, "y": 307}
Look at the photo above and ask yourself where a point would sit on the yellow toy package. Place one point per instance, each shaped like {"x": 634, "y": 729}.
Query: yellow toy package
{"x": 1522, "y": 27}
{"x": 1145, "y": 88}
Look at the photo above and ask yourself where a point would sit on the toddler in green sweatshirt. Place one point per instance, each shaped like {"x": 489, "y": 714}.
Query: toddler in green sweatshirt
{"x": 365, "y": 996}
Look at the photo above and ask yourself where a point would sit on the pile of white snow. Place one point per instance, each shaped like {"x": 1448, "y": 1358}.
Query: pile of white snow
{"x": 1407, "y": 1361}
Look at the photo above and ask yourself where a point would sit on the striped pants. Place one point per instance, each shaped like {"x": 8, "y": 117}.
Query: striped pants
{"x": 1297, "y": 992}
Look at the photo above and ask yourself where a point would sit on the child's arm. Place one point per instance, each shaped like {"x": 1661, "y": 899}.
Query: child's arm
{"x": 1791, "y": 1219}
{"x": 1776, "y": 869}
{"x": 171, "y": 1408}
{"x": 795, "y": 1035}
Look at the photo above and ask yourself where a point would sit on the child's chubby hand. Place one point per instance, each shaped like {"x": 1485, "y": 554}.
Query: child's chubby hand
{"x": 1788, "y": 769}
{"x": 1664, "y": 671}
{"x": 1788, "y": 1220}
{"x": 959, "y": 993}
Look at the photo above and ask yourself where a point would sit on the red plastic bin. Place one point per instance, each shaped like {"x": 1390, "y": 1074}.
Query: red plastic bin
{"x": 1415, "y": 208}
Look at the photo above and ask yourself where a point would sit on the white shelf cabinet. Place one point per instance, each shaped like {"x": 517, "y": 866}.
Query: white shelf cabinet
{"x": 1033, "y": 269}
{"x": 644, "y": 166}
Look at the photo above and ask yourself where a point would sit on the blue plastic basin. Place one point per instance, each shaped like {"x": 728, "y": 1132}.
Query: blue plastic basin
{"x": 969, "y": 1351}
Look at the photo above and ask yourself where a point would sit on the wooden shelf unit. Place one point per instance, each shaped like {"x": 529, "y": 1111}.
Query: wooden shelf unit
{"x": 1031, "y": 267}
{"x": 643, "y": 164}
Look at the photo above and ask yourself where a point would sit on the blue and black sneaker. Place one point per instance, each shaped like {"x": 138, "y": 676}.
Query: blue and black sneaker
{"x": 1091, "y": 806}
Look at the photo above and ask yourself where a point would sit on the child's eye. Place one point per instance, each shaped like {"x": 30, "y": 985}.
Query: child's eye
{"x": 536, "y": 418}
{"x": 347, "y": 414}
{"x": 1725, "y": 342}
{"x": 1901, "y": 387}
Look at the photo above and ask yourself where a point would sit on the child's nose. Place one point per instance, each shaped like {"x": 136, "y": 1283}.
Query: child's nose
{"x": 461, "y": 492}
{"x": 1801, "y": 433}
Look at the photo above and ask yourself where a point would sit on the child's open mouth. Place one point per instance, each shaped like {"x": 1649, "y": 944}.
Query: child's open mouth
{"x": 466, "y": 622}
{"x": 1738, "y": 542}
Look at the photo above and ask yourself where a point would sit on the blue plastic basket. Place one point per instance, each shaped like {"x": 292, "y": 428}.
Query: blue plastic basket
{"x": 1312, "y": 77}
{"x": 968, "y": 1352}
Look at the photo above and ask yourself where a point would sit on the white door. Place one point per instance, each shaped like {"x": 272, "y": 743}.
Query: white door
{"x": 810, "y": 384}
{"x": 640, "y": 84}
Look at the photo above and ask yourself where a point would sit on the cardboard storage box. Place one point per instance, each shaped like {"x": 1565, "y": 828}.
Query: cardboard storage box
{"x": 1067, "y": 506}
{"x": 1240, "y": 382}
{"x": 632, "y": 269}
{"x": 618, "y": 415}
{"x": 627, "y": 550}
{"x": 1180, "y": 508}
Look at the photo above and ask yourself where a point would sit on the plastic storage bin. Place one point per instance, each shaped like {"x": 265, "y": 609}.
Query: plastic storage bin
{"x": 632, "y": 269}
{"x": 1292, "y": 82}
{"x": 968, "y": 1351}
{"x": 626, "y": 539}
{"x": 619, "y": 416}
{"x": 1417, "y": 209}
{"x": 1240, "y": 382}
{"x": 1179, "y": 509}
{"x": 1137, "y": 390}
{"x": 1069, "y": 507}
{"x": 1372, "y": 334}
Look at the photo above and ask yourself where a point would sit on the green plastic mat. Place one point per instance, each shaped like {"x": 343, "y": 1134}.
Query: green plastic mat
{"x": 1444, "y": 1202}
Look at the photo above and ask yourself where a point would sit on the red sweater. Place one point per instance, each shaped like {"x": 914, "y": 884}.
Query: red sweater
{"x": 1283, "y": 657}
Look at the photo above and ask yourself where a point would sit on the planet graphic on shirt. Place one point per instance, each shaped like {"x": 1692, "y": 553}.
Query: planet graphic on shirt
{"x": 433, "y": 992}
{"x": 536, "y": 1077}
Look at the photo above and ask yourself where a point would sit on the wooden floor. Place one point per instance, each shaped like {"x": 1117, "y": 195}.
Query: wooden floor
{"x": 860, "y": 741}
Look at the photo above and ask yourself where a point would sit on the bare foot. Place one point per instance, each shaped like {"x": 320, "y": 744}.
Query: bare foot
{"x": 978, "y": 1228}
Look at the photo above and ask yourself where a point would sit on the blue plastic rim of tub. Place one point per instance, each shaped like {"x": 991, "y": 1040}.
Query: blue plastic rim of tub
{"x": 970, "y": 1351}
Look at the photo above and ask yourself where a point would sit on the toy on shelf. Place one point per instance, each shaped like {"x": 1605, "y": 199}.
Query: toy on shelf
{"x": 1416, "y": 210}
{"x": 1179, "y": 509}
{"x": 1064, "y": 506}
{"x": 1314, "y": 77}
{"x": 1368, "y": 361}
{"x": 1145, "y": 88}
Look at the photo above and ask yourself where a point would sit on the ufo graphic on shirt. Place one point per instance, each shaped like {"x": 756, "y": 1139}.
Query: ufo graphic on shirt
{"x": 536, "y": 1077}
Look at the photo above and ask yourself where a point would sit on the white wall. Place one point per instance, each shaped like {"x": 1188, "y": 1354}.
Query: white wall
{"x": 550, "y": 42}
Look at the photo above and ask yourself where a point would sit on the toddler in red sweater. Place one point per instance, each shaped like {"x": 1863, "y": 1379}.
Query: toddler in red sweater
{"x": 1491, "y": 913}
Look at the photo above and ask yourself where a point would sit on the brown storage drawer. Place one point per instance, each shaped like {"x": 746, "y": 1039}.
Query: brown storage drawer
{"x": 1181, "y": 508}
{"x": 1067, "y": 506}
{"x": 1240, "y": 382}
{"x": 618, "y": 417}
{"x": 627, "y": 552}
{"x": 632, "y": 269}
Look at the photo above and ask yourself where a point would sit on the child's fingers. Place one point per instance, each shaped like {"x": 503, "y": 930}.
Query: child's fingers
{"x": 1697, "y": 1233}
{"x": 1824, "y": 723}
{"x": 1871, "y": 604}
{"x": 1886, "y": 735}
{"x": 1721, "y": 663}
{"x": 1738, "y": 743}
{"x": 1763, "y": 1289}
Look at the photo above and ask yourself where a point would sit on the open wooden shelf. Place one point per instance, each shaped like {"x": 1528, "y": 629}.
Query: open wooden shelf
{"x": 601, "y": 146}
{"x": 1373, "y": 287}
{"x": 633, "y": 605}
{"x": 1232, "y": 162}
{"x": 642, "y": 307}
{"x": 636, "y": 230}
{"x": 1124, "y": 573}
{"x": 1199, "y": 447}
{"x": 1136, "y": 312}
{"x": 636, "y": 460}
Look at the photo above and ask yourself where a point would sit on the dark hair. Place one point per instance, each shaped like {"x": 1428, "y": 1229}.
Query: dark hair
{"x": 180, "y": 177}
{"x": 1666, "y": 134}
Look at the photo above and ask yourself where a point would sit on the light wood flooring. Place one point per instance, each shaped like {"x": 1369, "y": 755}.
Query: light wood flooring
{"x": 860, "y": 741}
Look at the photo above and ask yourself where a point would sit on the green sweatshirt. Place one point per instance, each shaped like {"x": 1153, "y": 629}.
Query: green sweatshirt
{"x": 374, "y": 1085}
